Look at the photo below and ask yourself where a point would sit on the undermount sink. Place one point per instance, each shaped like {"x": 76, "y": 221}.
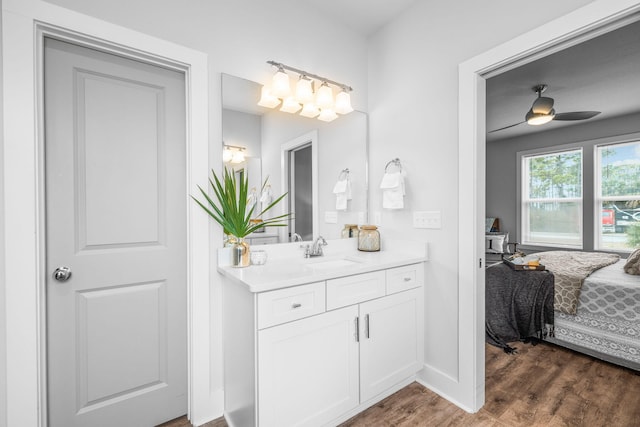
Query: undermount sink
{"x": 334, "y": 263}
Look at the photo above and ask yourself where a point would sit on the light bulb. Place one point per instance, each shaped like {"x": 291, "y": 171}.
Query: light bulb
{"x": 280, "y": 86}
{"x": 290, "y": 105}
{"x": 304, "y": 90}
{"x": 267, "y": 99}
{"x": 343, "y": 103}
{"x": 324, "y": 97}
{"x": 310, "y": 110}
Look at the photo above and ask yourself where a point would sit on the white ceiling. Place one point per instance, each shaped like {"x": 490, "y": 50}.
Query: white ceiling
{"x": 601, "y": 74}
{"x": 364, "y": 16}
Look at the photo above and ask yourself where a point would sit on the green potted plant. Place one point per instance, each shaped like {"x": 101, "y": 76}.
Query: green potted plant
{"x": 233, "y": 213}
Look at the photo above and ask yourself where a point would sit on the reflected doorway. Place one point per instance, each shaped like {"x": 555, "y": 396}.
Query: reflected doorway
{"x": 300, "y": 188}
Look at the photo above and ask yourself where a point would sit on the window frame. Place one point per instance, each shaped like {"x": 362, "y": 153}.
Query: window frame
{"x": 599, "y": 198}
{"x": 591, "y": 214}
{"x": 525, "y": 201}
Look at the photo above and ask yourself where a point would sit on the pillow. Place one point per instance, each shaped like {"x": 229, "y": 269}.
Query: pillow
{"x": 495, "y": 243}
{"x": 632, "y": 266}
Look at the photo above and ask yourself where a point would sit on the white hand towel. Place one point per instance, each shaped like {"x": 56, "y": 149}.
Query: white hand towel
{"x": 265, "y": 197}
{"x": 342, "y": 190}
{"x": 392, "y": 186}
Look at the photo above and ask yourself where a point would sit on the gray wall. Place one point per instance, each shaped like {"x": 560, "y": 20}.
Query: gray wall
{"x": 502, "y": 201}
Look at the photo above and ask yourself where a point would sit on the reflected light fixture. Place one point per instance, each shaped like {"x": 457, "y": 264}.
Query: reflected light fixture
{"x": 267, "y": 99}
{"x": 290, "y": 105}
{"x": 327, "y": 115}
{"x": 310, "y": 110}
{"x": 320, "y": 105}
{"x": 233, "y": 154}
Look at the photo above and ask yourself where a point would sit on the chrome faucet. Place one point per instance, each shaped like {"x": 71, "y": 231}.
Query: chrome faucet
{"x": 316, "y": 249}
{"x": 297, "y": 237}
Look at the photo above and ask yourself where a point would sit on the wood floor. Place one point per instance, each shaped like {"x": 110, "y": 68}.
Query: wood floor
{"x": 542, "y": 385}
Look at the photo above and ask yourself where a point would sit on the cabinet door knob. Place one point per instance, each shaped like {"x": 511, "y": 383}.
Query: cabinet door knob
{"x": 407, "y": 279}
{"x": 296, "y": 305}
{"x": 357, "y": 333}
{"x": 366, "y": 326}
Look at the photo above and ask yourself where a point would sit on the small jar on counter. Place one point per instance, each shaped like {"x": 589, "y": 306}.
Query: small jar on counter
{"x": 369, "y": 238}
{"x": 349, "y": 230}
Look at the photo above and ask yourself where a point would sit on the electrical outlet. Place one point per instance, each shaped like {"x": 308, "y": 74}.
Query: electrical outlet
{"x": 331, "y": 217}
{"x": 427, "y": 219}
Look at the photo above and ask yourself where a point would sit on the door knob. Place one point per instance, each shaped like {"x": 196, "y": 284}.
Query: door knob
{"x": 62, "y": 274}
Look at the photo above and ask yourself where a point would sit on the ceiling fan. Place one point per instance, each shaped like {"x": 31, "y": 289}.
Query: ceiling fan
{"x": 542, "y": 111}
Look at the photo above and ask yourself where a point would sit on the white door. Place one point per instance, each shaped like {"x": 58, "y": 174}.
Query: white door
{"x": 308, "y": 370}
{"x": 116, "y": 217}
{"x": 389, "y": 348}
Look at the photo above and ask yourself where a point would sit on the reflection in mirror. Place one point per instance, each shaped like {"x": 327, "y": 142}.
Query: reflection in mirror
{"x": 300, "y": 156}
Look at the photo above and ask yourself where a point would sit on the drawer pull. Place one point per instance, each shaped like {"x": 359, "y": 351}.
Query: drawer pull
{"x": 296, "y": 305}
{"x": 407, "y": 279}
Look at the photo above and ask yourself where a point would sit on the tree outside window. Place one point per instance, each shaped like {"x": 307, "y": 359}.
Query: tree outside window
{"x": 552, "y": 199}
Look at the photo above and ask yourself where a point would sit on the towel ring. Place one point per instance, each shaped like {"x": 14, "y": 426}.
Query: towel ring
{"x": 343, "y": 174}
{"x": 395, "y": 162}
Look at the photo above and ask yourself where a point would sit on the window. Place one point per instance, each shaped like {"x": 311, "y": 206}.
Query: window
{"x": 552, "y": 199}
{"x": 618, "y": 195}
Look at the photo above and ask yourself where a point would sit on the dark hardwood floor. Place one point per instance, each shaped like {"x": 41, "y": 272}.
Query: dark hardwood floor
{"x": 542, "y": 385}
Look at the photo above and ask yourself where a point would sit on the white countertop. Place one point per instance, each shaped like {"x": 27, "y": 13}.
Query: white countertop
{"x": 285, "y": 268}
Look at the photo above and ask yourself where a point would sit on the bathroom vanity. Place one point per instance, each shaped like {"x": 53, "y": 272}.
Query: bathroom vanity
{"x": 314, "y": 341}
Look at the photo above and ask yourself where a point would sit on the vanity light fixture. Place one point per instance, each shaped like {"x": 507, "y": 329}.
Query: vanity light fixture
{"x": 321, "y": 104}
{"x": 233, "y": 154}
{"x": 304, "y": 90}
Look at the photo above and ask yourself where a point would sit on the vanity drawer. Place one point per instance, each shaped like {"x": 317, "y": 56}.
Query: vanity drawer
{"x": 285, "y": 305}
{"x": 403, "y": 278}
{"x": 355, "y": 289}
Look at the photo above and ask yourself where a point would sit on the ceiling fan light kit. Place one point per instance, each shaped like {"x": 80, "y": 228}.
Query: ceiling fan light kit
{"x": 542, "y": 111}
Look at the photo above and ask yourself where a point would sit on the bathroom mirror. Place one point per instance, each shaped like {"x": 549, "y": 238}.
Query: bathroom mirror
{"x": 300, "y": 156}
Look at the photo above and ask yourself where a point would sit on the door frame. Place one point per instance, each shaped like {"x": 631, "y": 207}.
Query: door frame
{"x": 586, "y": 22}
{"x": 285, "y": 148}
{"x": 24, "y": 26}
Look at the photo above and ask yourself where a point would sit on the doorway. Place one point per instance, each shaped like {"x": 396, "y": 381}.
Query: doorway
{"x": 300, "y": 190}
{"x": 299, "y": 179}
{"x": 115, "y": 238}
{"x": 586, "y": 22}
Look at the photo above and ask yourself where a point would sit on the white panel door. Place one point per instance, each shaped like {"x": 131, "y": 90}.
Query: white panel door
{"x": 390, "y": 350}
{"x": 116, "y": 217}
{"x": 308, "y": 370}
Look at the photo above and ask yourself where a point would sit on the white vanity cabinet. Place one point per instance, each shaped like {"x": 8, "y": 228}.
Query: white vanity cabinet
{"x": 318, "y": 353}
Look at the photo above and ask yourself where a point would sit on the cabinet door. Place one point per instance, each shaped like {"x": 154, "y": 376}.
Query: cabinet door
{"x": 308, "y": 370}
{"x": 391, "y": 343}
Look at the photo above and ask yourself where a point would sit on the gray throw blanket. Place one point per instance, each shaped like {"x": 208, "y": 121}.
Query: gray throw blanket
{"x": 518, "y": 305}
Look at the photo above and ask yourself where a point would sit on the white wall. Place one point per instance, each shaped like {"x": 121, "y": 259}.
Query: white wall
{"x": 240, "y": 36}
{"x": 413, "y": 93}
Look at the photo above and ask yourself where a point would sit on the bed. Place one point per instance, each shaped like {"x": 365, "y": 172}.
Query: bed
{"x": 604, "y": 321}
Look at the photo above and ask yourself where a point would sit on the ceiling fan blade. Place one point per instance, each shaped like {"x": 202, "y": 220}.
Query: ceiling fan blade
{"x": 576, "y": 115}
{"x": 506, "y": 127}
{"x": 542, "y": 105}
